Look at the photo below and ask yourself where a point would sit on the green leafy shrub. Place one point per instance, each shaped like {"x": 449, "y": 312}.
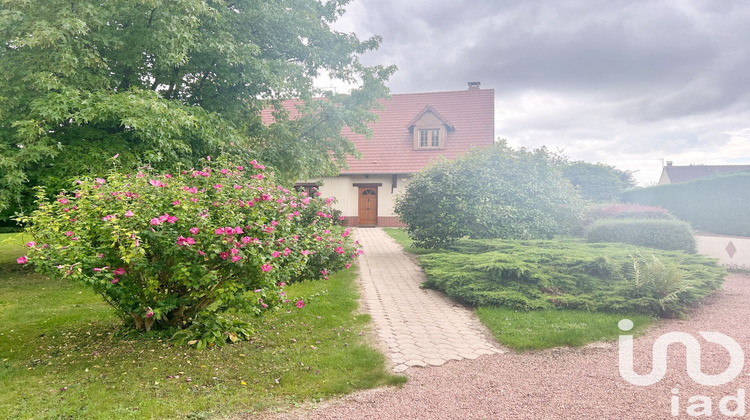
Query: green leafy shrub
{"x": 598, "y": 182}
{"x": 168, "y": 249}
{"x": 661, "y": 234}
{"x": 495, "y": 192}
{"x": 625, "y": 211}
{"x": 716, "y": 204}
{"x": 539, "y": 274}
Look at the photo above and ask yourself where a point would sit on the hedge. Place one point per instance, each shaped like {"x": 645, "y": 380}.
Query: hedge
{"x": 661, "y": 234}
{"x": 717, "y": 204}
{"x": 624, "y": 211}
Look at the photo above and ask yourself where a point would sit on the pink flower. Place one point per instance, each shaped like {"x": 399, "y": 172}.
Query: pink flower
{"x": 236, "y": 258}
{"x": 168, "y": 176}
{"x": 129, "y": 214}
{"x": 101, "y": 181}
{"x": 100, "y": 256}
{"x": 97, "y": 269}
{"x": 194, "y": 230}
{"x": 324, "y": 272}
{"x": 282, "y": 284}
{"x": 347, "y": 265}
{"x": 219, "y": 231}
{"x": 115, "y": 280}
{"x": 155, "y": 222}
{"x": 345, "y": 233}
{"x": 339, "y": 250}
{"x": 276, "y": 254}
{"x": 194, "y": 199}
{"x": 31, "y": 244}
{"x": 22, "y": 260}
{"x": 274, "y": 223}
{"x": 238, "y": 230}
{"x": 217, "y": 186}
{"x": 171, "y": 219}
{"x": 305, "y": 252}
{"x": 62, "y": 200}
{"x": 300, "y": 303}
{"x": 68, "y": 233}
{"x": 234, "y": 251}
{"x": 266, "y": 267}
{"x": 176, "y": 203}
{"x": 119, "y": 271}
{"x": 150, "y": 313}
{"x": 116, "y": 156}
{"x": 287, "y": 251}
{"x": 224, "y": 255}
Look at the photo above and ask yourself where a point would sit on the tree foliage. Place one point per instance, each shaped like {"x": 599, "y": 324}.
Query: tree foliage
{"x": 164, "y": 82}
{"x": 495, "y": 192}
{"x": 598, "y": 182}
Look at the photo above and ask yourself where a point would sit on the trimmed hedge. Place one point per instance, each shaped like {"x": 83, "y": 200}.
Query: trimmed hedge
{"x": 568, "y": 273}
{"x": 625, "y": 211}
{"x": 661, "y": 234}
{"x": 716, "y": 204}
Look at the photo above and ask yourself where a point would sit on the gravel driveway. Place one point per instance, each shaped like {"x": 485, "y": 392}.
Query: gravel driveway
{"x": 567, "y": 383}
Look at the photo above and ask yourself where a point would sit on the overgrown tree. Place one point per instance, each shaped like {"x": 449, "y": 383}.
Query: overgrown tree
{"x": 164, "y": 82}
{"x": 598, "y": 182}
{"x": 495, "y": 192}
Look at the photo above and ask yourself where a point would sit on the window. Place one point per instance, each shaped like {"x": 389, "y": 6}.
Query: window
{"x": 429, "y": 139}
{"x": 310, "y": 189}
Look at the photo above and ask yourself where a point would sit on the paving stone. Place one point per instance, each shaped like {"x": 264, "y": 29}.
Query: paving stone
{"x": 421, "y": 327}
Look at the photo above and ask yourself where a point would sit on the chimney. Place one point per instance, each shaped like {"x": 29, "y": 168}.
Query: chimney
{"x": 474, "y": 85}
{"x": 669, "y": 163}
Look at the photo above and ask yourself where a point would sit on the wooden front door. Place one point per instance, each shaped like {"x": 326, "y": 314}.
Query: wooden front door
{"x": 368, "y": 206}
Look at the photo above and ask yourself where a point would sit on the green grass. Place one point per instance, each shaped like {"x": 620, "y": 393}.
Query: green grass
{"x": 60, "y": 356}
{"x": 534, "y": 330}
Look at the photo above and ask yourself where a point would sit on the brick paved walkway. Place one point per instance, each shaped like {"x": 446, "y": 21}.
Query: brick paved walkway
{"x": 420, "y": 327}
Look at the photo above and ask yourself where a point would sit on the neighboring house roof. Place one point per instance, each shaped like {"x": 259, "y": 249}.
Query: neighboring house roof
{"x": 468, "y": 116}
{"x": 673, "y": 174}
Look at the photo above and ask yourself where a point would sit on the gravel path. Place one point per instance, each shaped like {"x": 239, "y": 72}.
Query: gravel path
{"x": 564, "y": 383}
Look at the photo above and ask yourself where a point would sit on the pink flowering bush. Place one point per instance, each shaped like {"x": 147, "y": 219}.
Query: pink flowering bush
{"x": 166, "y": 250}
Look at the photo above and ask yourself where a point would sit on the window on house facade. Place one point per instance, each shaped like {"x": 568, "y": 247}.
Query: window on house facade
{"x": 310, "y": 189}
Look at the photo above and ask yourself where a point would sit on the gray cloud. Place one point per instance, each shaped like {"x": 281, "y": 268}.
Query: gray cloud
{"x": 624, "y": 80}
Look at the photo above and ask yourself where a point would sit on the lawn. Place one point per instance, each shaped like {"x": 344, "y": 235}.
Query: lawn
{"x": 538, "y": 329}
{"x": 63, "y": 355}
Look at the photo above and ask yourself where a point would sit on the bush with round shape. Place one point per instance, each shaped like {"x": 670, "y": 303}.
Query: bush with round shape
{"x": 494, "y": 192}
{"x": 168, "y": 249}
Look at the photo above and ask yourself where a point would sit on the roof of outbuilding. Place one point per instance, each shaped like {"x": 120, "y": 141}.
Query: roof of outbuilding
{"x": 469, "y": 115}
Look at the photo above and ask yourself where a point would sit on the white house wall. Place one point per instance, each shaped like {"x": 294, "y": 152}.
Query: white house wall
{"x": 347, "y": 195}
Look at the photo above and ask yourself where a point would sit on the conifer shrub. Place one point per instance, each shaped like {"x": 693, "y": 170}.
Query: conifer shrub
{"x": 569, "y": 273}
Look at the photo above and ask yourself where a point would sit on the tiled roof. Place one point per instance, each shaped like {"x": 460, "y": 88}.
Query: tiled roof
{"x": 692, "y": 172}
{"x": 390, "y": 150}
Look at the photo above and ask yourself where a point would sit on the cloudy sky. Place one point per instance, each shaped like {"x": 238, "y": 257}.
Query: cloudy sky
{"x": 627, "y": 83}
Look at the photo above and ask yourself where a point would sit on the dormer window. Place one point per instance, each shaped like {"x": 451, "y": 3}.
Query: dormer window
{"x": 430, "y": 130}
{"x": 429, "y": 138}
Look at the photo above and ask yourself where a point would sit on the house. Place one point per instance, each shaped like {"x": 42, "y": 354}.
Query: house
{"x": 412, "y": 131}
{"x": 673, "y": 174}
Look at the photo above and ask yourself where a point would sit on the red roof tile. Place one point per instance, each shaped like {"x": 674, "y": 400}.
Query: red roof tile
{"x": 470, "y": 113}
